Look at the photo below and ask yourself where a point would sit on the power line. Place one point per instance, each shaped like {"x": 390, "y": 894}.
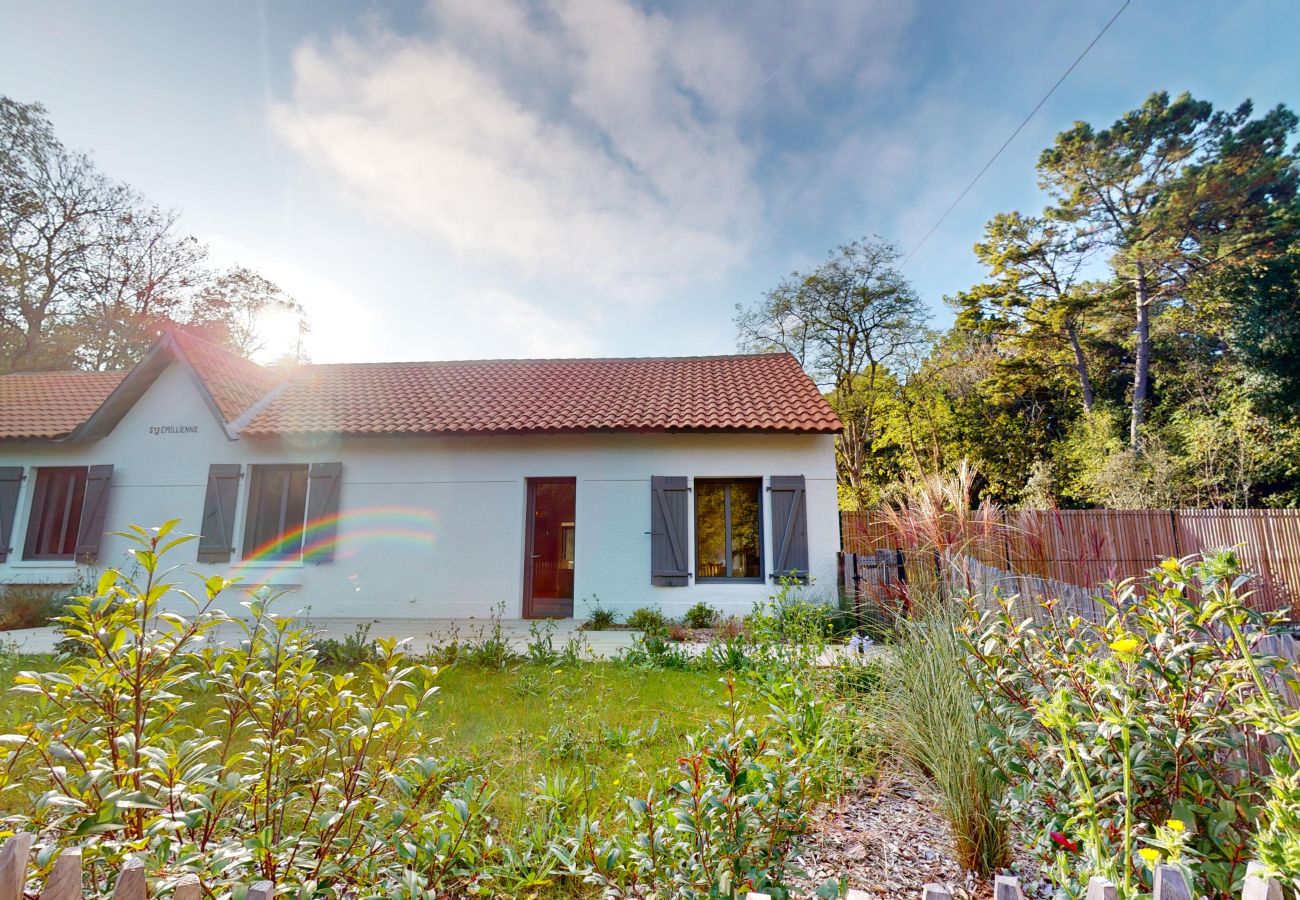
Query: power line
{"x": 1019, "y": 128}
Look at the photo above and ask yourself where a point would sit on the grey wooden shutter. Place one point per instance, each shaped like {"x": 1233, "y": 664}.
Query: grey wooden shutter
{"x": 669, "y": 557}
{"x": 217, "y": 531}
{"x": 323, "y": 482}
{"x": 789, "y": 527}
{"x": 11, "y": 479}
{"x": 94, "y": 508}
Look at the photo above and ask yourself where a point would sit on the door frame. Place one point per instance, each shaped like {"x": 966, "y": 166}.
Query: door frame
{"x": 530, "y": 507}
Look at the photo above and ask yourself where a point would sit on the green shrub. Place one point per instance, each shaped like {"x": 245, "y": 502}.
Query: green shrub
{"x": 351, "y": 653}
{"x": 599, "y": 617}
{"x": 931, "y": 716}
{"x": 701, "y": 615}
{"x": 649, "y": 619}
{"x": 1277, "y": 845}
{"x": 30, "y": 605}
{"x": 743, "y": 789}
{"x": 282, "y": 778}
{"x": 654, "y": 651}
{"x": 1109, "y": 730}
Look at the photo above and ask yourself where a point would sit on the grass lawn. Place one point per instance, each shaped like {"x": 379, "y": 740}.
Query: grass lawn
{"x": 617, "y": 728}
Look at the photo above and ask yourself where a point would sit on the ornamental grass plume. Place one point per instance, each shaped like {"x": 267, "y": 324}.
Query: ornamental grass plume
{"x": 938, "y": 517}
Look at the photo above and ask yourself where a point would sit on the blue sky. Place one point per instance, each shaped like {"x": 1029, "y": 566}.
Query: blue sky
{"x": 477, "y": 178}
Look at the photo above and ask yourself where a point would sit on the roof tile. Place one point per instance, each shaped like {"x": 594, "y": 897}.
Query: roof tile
{"x": 759, "y": 392}
{"x": 43, "y": 405}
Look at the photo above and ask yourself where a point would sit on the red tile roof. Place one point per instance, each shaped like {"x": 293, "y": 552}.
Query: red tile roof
{"x": 235, "y": 383}
{"x": 763, "y": 392}
{"x": 44, "y": 405}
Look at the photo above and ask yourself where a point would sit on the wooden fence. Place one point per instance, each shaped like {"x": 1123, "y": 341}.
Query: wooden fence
{"x": 1169, "y": 884}
{"x": 1090, "y": 547}
{"x": 65, "y": 881}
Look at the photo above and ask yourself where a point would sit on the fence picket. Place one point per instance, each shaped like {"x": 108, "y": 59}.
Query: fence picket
{"x": 1258, "y": 886}
{"x": 261, "y": 890}
{"x": 188, "y": 888}
{"x": 1101, "y": 889}
{"x": 13, "y": 866}
{"x": 1007, "y": 887}
{"x": 130, "y": 881}
{"x": 1170, "y": 885}
{"x": 64, "y": 882}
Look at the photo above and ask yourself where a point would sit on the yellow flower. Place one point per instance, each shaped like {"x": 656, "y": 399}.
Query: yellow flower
{"x": 616, "y": 782}
{"x": 1175, "y": 825}
{"x": 559, "y": 672}
{"x": 1150, "y": 854}
{"x": 631, "y": 755}
{"x": 1126, "y": 647}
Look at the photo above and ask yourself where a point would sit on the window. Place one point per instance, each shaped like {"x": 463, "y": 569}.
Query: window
{"x": 277, "y": 511}
{"x": 55, "y": 519}
{"x": 728, "y": 529}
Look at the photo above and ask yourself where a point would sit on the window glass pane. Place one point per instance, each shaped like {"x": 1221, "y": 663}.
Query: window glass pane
{"x": 710, "y": 529}
{"x": 279, "y": 507}
{"x": 744, "y": 529}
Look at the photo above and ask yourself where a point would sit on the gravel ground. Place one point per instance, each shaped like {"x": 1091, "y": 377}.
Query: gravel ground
{"x": 887, "y": 838}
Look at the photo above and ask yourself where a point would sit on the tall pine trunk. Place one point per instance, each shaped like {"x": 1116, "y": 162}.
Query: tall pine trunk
{"x": 1141, "y": 361}
{"x": 1080, "y": 365}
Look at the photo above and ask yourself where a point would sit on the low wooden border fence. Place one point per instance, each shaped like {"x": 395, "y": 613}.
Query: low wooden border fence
{"x": 65, "y": 881}
{"x": 1090, "y": 547}
{"x": 1169, "y": 885}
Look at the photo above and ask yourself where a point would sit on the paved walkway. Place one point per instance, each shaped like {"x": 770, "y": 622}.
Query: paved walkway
{"x": 422, "y": 633}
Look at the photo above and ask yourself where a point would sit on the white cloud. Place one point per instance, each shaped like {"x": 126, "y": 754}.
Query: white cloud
{"x": 577, "y": 139}
{"x": 502, "y": 319}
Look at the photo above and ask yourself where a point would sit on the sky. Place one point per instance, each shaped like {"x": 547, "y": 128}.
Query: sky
{"x": 493, "y": 178}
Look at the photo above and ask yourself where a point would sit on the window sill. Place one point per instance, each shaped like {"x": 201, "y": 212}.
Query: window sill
{"x": 699, "y": 580}
{"x": 269, "y": 564}
{"x": 43, "y": 564}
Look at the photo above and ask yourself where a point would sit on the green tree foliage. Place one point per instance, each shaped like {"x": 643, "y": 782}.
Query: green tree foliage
{"x": 851, "y": 322}
{"x": 91, "y": 272}
{"x": 1135, "y": 344}
{"x": 1170, "y": 190}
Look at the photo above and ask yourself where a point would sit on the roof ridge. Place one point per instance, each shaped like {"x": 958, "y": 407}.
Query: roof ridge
{"x": 535, "y": 359}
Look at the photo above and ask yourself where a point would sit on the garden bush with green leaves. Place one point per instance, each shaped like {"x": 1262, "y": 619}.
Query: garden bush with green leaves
{"x": 293, "y": 774}
{"x": 255, "y": 760}
{"x": 1141, "y": 738}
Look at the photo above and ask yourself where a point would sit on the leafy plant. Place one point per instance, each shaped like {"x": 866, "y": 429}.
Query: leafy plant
{"x": 350, "y": 653}
{"x": 1108, "y": 730}
{"x": 283, "y": 776}
{"x": 742, "y": 790}
{"x": 701, "y": 615}
{"x": 648, "y": 619}
{"x": 599, "y": 616}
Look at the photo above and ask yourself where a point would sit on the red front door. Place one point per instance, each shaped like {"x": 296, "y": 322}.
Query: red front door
{"x": 549, "y": 548}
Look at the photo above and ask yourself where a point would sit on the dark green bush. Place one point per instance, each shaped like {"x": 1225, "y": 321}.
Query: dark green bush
{"x": 701, "y": 615}
{"x": 648, "y": 619}
{"x": 350, "y": 653}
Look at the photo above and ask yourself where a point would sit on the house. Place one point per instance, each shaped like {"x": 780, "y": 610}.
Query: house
{"x": 434, "y": 489}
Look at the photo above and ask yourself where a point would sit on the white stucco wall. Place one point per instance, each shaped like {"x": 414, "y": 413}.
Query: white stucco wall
{"x": 434, "y": 527}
